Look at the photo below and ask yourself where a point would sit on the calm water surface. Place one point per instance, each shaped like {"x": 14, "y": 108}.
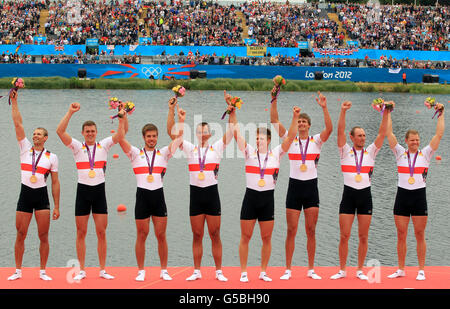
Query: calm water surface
{"x": 46, "y": 107}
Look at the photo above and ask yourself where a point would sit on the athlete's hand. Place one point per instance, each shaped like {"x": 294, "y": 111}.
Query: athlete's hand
{"x": 55, "y": 215}
{"x": 13, "y": 95}
{"x": 321, "y": 100}
{"x": 181, "y": 115}
{"x": 172, "y": 102}
{"x": 74, "y": 107}
{"x": 296, "y": 110}
{"x": 122, "y": 113}
{"x": 227, "y": 97}
{"x": 439, "y": 106}
{"x": 346, "y": 105}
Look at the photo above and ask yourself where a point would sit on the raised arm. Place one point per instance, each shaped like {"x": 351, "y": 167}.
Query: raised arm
{"x": 322, "y": 101}
{"x": 228, "y": 136}
{"x": 390, "y": 133}
{"x": 16, "y": 116}
{"x": 232, "y": 120}
{"x": 171, "y": 117}
{"x": 383, "y": 129}
{"x": 123, "y": 122}
{"x": 62, "y": 126}
{"x": 440, "y": 128}
{"x": 274, "y": 118}
{"x": 179, "y": 135}
{"x": 292, "y": 129}
{"x": 341, "y": 138}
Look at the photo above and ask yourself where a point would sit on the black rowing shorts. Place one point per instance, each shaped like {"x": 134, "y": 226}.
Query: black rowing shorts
{"x": 150, "y": 203}
{"x": 302, "y": 194}
{"x": 204, "y": 201}
{"x": 32, "y": 199}
{"x": 258, "y": 205}
{"x": 411, "y": 202}
{"x": 90, "y": 198}
{"x": 354, "y": 200}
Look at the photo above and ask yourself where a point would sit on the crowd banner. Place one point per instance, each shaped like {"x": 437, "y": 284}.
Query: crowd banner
{"x": 238, "y": 51}
{"x": 92, "y": 42}
{"x": 146, "y": 71}
{"x": 303, "y": 44}
{"x": 145, "y": 40}
{"x": 256, "y": 51}
{"x": 39, "y": 39}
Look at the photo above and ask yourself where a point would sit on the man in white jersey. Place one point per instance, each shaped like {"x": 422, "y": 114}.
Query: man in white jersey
{"x": 204, "y": 205}
{"x": 149, "y": 165}
{"x": 36, "y": 163}
{"x": 411, "y": 200}
{"x": 357, "y": 165}
{"x": 261, "y": 168}
{"x": 303, "y": 192}
{"x": 90, "y": 157}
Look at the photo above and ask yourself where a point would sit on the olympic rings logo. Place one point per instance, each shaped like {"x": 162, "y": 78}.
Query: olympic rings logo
{"x": 155, "y": 71}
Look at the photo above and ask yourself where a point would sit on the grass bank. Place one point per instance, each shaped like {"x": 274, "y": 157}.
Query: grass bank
{"x": 225, "y": 84}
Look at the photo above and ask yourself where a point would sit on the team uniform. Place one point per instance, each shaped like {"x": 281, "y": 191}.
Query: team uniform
{"x": 91, "y": 194}
{"x": 33, "y": 194}
{"x": 302, "y": 190}
{"x": 258, "y": 201}
{"x": 204, "y": 193}
{"x": 357, "y": 196}
{"x": 149, "y": 195}
{"x": 411, "y": 195}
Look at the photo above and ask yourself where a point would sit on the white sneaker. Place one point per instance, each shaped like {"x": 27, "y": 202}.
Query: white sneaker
{"x": 313, "y": 275}
{"x": 341, "y": 274}
{"x": 244, "y": 277}
{"x": 105, "y": 275}
{"x": 420, "y": 275}
{"x": 81, "y": 275}
{"x": 360, "y": 275}
{"x": 141, "y": 275}
{"x": 263, "y": 276}
{"x": 16, "y": 275}
{"x": 287, "y": 275}
{"x": 398, "y": 273}
{"x": 43, "y": 276}
{"x": 165, "y": 275}
{"x": 220, "y": 276}
{"x": 196, "y": 275}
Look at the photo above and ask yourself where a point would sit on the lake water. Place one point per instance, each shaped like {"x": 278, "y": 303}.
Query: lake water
{"x": 47, "y": 107}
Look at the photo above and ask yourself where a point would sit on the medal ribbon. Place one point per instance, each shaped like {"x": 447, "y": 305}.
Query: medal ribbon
{"x": 358, "y": 165}
{"x": 33, "y": 163}
{"x": 201, "y": 161}
{"x": 411, "y": 167}
{"x": 303, "y": 153}
{"x": 91, "y": 159}
{"x": 150, "y": 167}
{"x": 262, "y": 170}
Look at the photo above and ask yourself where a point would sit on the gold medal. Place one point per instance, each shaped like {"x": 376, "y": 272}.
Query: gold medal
{"x": 261, "y": 183}
{"x": 33, "y": 179}
{"x": 303, "y": 168}
{"x": 411, "y": 180}
{"x": 358, "y": 177}
{"x": 91, "y": 174}
{"x": 201, "y": 176}
{"x": 150, "y": 178}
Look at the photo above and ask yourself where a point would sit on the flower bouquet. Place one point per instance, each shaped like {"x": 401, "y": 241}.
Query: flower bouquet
{"x": 431, "y": 103}
{"x": 18, "y": 83}
{"x": 278, "y": 81}
{"x": 380, "y": 105}
{"x": 179, "y": 91}
{"x": 235, "y": 102}
{"x": 128, "y": 106}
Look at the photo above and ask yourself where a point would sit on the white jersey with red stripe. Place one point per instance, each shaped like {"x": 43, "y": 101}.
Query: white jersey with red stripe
{"x": 252, "y": 170}
{"x": 80, "y": 155}
{"x": 212, "y": 162}
{"x": 141, "y": 166}
{"x": 312, "y": 157}
{"x": 348, "y": 165}
{"x": 420, "y": 169}
{"x": 47, "y": 163}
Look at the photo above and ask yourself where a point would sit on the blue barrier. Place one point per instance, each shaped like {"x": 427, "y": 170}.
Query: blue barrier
{"x": 219, "y": 71}
{"x": 239, "y": 51}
